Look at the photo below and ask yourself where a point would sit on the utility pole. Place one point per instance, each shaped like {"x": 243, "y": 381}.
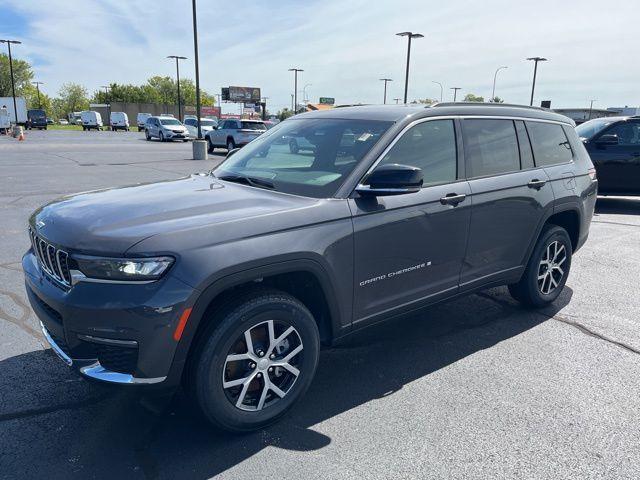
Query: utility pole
{"x": 13, "y": 85}
{"x": 535, "y": 72}
{"x": 455, "y": 92}
{"x": 108, "y": 102}
{"x": 295, "y": 88}
{"x": 591, "y": 108}
{"x": 385, "y": 80}
{"x": 410, "y": 36}
{"x": 441, "y": 88}
{"x": 178, "y": 79}
{"x": 37, "y": 84}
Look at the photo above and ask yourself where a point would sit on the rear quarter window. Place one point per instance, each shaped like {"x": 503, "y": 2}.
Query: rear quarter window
{"x": 491, "y": 147}
{"x": 550, "y": 144}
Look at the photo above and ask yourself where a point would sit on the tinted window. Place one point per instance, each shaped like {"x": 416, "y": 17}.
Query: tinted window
{"x": 430, "y": 146}
{"x": 592, "y": 127}
{"x": 190, "y": 121}
{"x": 491, "y": 147}
{"x": 526, "y": 154}
{"x": 628, "y": 133}
{"x": 253, "y": 126}
{"x": 549, "y": 142}
{"x": 169, "y": 121}
{"x": 309, "y": 157}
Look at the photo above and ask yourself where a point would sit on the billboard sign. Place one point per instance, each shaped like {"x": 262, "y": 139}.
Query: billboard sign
{"x": 327, "y": 101}
{"x": 244, "y": 94}
{"x": 210, "y": 111}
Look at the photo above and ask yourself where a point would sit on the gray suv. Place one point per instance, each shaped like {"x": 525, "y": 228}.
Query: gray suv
{"x": 228, "y": 282}
{"x": 165, "y": 129}
{"x": 232, "y": 133}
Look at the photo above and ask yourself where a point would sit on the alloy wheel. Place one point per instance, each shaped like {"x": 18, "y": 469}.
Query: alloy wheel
{"x": 262, "y": 365}
{"x": 550, "y": 270}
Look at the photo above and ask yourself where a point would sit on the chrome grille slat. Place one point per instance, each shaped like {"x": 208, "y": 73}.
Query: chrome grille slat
{"x": 51, "y": 259}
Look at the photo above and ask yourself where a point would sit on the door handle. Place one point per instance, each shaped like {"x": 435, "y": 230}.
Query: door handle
{"x": 452, "y": 199}
{"x": 537, "y": 184}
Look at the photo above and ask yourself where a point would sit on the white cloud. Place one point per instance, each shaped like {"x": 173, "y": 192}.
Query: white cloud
{"x": 345, "y": 46}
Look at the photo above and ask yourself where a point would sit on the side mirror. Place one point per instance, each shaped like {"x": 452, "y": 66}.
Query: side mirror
{"x": 607, "y": 140}
{"x": 393, "y": 179}
{"x": 231, "y": 152}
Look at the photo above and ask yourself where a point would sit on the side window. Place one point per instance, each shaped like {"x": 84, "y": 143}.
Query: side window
{"x": 223, "y": 125}
{"x": 190, "y": 121}
{"x": 550, "y": 144}
{"x": 526, "y": 154}
{"x": 628, "y": 133}
{"x": 491, "y": 147}
{"x": 430, "y": 146}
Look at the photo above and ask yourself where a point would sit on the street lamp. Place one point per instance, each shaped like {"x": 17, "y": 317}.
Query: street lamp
{"x": 535, "y": 71}
{"x": 441, "y": 88}
{"x": 107, "y": 101}
{"x": 295, "y": 88}
{"x": 397, "y": 100}
{"x": 409, "y": 35}
{"x": 177, "y": 58}
{"x": 591, "y": 108}
{"x": 37, "y": 84}
{"x": 13, "y": 86}
{"x": 455, "y": 92}
{"x": 304, "y": 93}
{"x": 495, "y": 75}
{"x": 385, "y": 80}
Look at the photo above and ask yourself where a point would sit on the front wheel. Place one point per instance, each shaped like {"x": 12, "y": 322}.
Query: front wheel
{"x": 255, "y": 361}
{"x": 210, "y": 147}
{"x": 547, "y": 270}
{"x": 231, "y": 144}
{"x": 161, "y": 137}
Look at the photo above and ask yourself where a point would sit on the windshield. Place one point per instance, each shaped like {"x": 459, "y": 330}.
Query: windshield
{"x": 592, "y": 127}
{"x": 169, "y": 121}
{"x": 309, "y": 157}
{"x": 36, "y": 114}
{"x": 208, "y": 123}
{"x": 253, "y": 126}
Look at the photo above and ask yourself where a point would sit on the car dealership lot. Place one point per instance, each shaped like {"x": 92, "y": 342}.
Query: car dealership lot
{"x": 474, "y": 388}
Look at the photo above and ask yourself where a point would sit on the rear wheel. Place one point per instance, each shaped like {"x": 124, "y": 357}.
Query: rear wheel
{"x": 231, "y": 144}
{"x": 146, "y": 135}
{"x": 260, "y": 359}
{"x": 210, "y": 147}
{"x": 161, "y": 137}
{"x": 547, "y": 270}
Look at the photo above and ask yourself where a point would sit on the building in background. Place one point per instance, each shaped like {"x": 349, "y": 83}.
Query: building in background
{"x": 625, "y": 111}
{"x": 581, "y": 115}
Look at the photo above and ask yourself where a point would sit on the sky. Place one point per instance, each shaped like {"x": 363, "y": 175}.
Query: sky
{"x": 344, "y": 46}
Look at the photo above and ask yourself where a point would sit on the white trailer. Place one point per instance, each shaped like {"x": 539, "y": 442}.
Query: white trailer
{"x": 21, "y": 107}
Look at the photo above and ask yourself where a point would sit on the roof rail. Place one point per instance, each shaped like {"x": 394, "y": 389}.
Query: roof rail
{"x": 484, "y": 104}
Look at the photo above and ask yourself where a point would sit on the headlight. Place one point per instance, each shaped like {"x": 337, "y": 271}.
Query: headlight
{"x": 118, "y": 269}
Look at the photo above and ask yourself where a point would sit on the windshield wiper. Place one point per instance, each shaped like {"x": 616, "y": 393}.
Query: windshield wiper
{"x": 251, "y": 181}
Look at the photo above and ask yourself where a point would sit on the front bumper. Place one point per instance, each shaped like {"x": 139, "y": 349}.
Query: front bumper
{"x": 116, "y": 333}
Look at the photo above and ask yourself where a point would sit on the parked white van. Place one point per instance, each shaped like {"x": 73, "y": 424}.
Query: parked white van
{"x": 141, "y": 119}
{"x": 119, "y": 121}
{"x": 91, "y": 120}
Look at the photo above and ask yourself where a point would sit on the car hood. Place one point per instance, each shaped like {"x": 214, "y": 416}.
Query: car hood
{"x": 109, "y": 222}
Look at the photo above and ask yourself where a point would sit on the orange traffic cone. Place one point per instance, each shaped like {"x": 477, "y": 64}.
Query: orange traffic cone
{"x": 21, "y": 137}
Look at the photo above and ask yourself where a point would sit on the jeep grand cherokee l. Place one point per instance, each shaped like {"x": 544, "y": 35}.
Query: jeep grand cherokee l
{"x": 230, "y": 281}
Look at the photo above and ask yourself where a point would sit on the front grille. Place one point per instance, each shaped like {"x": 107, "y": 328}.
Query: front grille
{"x": 52, "y": 260}
{"x": 117, "y": 359}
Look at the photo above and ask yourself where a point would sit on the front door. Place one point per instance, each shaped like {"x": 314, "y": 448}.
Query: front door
{"x": 409, "y": 248}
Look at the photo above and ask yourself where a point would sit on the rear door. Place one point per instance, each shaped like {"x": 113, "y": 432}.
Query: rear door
{"x": 409, "y": 248}
{"x": 509, "y": 195}
{"x": 618, "y": 165}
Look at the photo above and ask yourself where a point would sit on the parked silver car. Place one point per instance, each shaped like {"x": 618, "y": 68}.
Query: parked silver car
{"x": 232, "y": 133}
{"x": 165, "y": 128}
{"x": 206, "y": 125}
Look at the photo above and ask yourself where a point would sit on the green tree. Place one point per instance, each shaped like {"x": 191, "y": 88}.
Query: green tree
{"x": 22, "y": 75}
{"x": 470, "y": 97}
{"x": 284, "y": 114}
{"x": 425, "y": 101}
{"x": 30, "y": 93}
{"x": 72, "y": 97}
{"x": 497, "y": 100}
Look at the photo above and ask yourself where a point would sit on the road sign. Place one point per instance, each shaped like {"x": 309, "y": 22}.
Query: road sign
{"x": 327, "y": 101}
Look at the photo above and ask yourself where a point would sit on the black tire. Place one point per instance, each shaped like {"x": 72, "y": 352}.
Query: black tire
{"x": 147, "y": 136}
{"x": 208, "y": 365}
{"x": 161, "y": 136}
{"x": 210, "y": 147}
{"x": 231, "y": 144}
{"x": 293, "y": 146}
{"x": 535, "y": 289}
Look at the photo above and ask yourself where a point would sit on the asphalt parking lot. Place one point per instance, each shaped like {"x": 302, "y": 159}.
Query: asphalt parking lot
{"x": 475, "y": 388}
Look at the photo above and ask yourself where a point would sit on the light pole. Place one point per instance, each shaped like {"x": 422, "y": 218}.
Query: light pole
{"x": 455, "y": 92}
{"x": 385, "y": 80}
{"x": 107, "y": 101}
{"x": 177, "y": 58}
{"x": 304, "y": 93}
{"x": 591, "y": 108}
{"x": 495, "y": 75}
{"x": 37, "y": 84}
{"x": 13, "y": 86}
{"x": 295, "y": 88}
{"x": 409, "y": 35}
{"x": 441, "y": 88}
{"x": 397, "y": 100}
{"x": 535, "y": 72}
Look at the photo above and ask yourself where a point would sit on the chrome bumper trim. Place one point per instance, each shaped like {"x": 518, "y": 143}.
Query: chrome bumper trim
{"x": 63, "y": 356}
{"x": 98, "y": 372}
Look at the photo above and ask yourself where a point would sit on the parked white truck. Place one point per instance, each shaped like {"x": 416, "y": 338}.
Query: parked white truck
{"x": 21, "y": 107}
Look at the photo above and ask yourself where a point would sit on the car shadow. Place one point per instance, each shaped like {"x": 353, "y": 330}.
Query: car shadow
{"x": 618, "y": 205}
{"x": 110, "y": 432}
